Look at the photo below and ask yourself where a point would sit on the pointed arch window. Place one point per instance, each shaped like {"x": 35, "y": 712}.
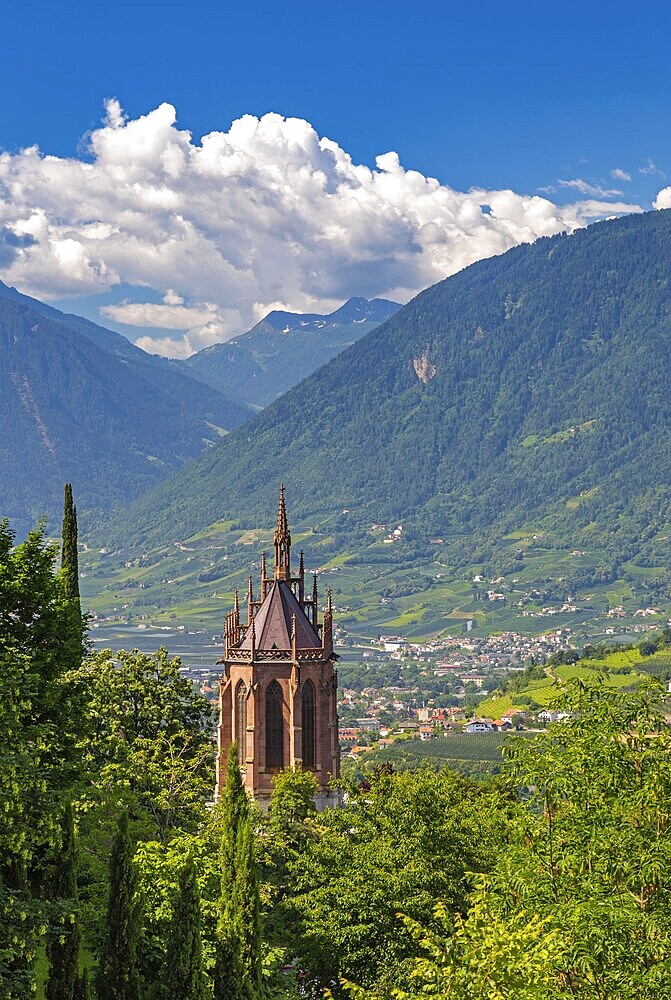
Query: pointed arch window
{"x": 241, "y": 722}
{"x": 274, "y": 726}
{"x": 308, "y": 723}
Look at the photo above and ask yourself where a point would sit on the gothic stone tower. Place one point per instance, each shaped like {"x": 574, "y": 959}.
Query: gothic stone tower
{"x": 277, "y": 692}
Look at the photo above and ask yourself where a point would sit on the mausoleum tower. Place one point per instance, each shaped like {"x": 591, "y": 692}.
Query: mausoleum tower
{"x": 277, "y": 692}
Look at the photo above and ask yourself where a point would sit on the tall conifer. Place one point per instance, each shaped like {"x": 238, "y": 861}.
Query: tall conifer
{"x": 63, "y": 941}
{"x": 247, "y": 914}
{"x": 82, "y": 990}
{"x": 235, "y": 809}
{"x": 119, "y": 976}
{"x": 226, "y": 978}
{"x": 184, "y": 961}
{"x": 69, "y": 556}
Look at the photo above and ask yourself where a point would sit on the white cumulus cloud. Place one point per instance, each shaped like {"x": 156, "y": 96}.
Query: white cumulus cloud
{"x": 265, "y": 212}
{"x": 663, "y": 199}
{"x": 618, "y": 174}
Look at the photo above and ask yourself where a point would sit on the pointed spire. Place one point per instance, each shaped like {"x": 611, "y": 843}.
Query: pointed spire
{"x": 235, "y": 630}
{"x": 263, "y": 576}
{"x": 327, "y": 627}
{"x": 282, "y": 525}
{"x": 293, "y": 636}
{"x": 301, "y": 579}
{"x": 282, "y": 542}
{"x": 227, "y": 633}
{"x": 250, "y": 599}
{"x": 252, "y": 635}
{"x": 315, "y": 599}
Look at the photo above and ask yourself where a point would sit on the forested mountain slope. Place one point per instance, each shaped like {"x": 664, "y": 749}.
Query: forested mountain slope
{"x": 531, "y": 387}
{"x": 81, "y": 404}
{"x": 285, "y": 348}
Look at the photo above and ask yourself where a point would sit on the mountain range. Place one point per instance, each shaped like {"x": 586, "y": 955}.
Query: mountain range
{"x": 81, "y": 403}
{"x": 529, "y": 389}
{"x": 284, "y": 348}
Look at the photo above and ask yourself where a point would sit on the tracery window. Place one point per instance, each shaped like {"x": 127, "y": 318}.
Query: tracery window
{"x": 241, "y": 722}
{"x": 308, "y": 723}
{"x": 274, "y": 726}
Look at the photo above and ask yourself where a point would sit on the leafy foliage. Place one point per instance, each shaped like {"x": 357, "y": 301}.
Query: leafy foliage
{"x": 401, "y": 845}
{"x": 40, "y": 719}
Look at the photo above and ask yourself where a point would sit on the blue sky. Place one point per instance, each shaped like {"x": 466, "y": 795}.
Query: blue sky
{"x": 490, "y": 95}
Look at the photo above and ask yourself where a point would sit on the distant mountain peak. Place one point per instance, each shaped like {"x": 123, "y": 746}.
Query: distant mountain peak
{"x": 284, "y": 347}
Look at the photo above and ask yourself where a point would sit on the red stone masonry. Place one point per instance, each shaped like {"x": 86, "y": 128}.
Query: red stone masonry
{"x": 277, "y": 692}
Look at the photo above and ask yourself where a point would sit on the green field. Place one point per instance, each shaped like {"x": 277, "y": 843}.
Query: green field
{"x": 544, "y": 692}
{"x": 475, "y": 754}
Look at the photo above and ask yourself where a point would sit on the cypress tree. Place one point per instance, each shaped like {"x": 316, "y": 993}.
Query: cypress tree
{"x": 184, "y": 962}
{"x": 69, "y": 556}
{"x": 235, "y": 809}
{"x": 226, "y": 979}
{"x": 63, "y": 940}
{"x": 119, "y": 977}
{"x": 247, "y": 914}
{"x": 82, "y": 990}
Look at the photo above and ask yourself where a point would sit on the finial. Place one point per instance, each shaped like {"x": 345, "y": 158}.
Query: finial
{"x": 294, "y": 641}
{"x": 282, "y": 526}
{"x": 263, "y": 577}
{"x": 282, "y": 542}
{"x": 252, "y": 635}
{"x": 301, "y": 564}
{"x": 236, "y": 602}
{"x": 327, "y": 627}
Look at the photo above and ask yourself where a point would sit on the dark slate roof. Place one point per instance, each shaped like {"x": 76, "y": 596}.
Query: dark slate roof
{"x": 273, "y": 622}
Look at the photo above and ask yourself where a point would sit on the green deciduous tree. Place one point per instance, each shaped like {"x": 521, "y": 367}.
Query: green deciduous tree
{"x": 160, "y": 868}
{"x": 149, "y": 751}
{"x": 407, "y": 842}
{"x": 481, "y": 955}
{"x": 150, "y": 743}
{"x": 119, "y": 977}
{"x": 40, "y": 733}
{"x": 292, "y": 802}
{"x": 591, "y": 854}
{"x": 577, "y": 904}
